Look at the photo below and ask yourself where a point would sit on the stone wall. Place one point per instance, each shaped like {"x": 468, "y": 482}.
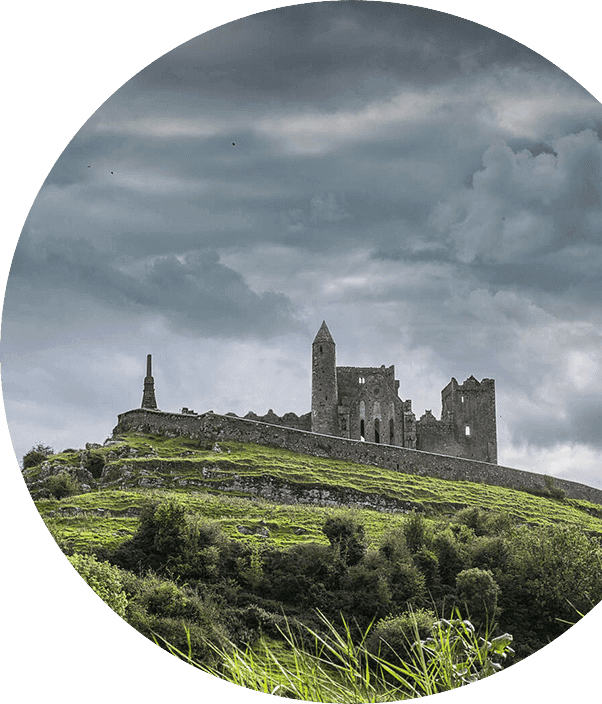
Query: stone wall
{"x": 214, "y": 428}
{"x": 288, "y": 420}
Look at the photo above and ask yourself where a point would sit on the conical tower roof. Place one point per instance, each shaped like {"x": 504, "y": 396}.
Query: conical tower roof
{"x": 323, "y": 334}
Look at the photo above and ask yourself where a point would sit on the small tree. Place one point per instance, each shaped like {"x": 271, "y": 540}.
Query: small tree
{"x": 478, "y": 591}
{"x": 347, "y": 536}
{"x": 36, "y": 455}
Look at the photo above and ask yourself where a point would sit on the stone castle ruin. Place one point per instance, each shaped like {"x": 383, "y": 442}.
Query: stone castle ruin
{"x": 357, "y": 416}
{"x": 363, "y": 403}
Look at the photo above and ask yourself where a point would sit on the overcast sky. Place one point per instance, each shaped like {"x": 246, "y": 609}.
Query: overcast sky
{"x": 430, "y": 188}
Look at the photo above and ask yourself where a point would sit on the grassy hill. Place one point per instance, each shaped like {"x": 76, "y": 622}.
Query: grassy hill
{"x": 260, "y": 494}
{"x": 220, "y": 547}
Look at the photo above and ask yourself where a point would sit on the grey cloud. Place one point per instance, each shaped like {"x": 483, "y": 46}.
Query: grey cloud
{"x": 519, "y": 211}
{"x": 203, "y": 295}
{"x": 581, "y": 424}
{"x": 310, "y": 52}
{"x": 195, "y": 293}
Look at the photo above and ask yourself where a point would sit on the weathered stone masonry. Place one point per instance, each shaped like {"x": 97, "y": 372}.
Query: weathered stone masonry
{"x": 214, "y": 428}
{"x": 363, "y": 403}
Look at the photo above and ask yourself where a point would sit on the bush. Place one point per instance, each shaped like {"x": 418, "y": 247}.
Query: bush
{"x": 104, "y": 578}
{"x": 483, "y": 522}
{"x": 161, "y": 610}
{"x": 449, "y": 552}
{"x": 169, "y": 540}
{"x": 478, "y": 591}
{"x": 417, "y": 532}
{"x": 36, "y": 455}
{"x": 393, "y": 637}
{"x": 161, "y": 533}
{"x": 553, "y": 574}
{"x": 347, "y": 536}
{"x": 393, "y": 546}
{"x": 62, "y": 485}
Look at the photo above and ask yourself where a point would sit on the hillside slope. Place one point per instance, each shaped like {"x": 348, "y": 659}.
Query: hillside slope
{"x": 258, "y": 493}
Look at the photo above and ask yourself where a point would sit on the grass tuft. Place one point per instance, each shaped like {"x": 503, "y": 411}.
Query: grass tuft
{"x": 332, "y": 666}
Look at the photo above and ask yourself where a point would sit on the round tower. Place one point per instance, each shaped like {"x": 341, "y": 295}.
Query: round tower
{"x": 324, "y": 384}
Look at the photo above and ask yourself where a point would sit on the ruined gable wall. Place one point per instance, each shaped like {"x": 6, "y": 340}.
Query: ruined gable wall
{"x": 376, "y": 388}
{"x": 471, "y": 406}
{"x": 215, "y": 428}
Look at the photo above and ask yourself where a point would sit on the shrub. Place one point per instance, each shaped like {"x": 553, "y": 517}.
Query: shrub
{"x": 366, "y": 590}
{"x": 36, "y": 455}
{"x": 161, "y": 610}
{"x": 393, "y": 637}
{"x": 62, "y": 485}
{"x": 449, "y": 552}
{"x": 161, "y": 533}
{"x": 347, "y": 536}
{"x": 553, "y": 491}
{"x": 394, "y": 547}
{"x": 428, "y": 564}
{"x": 478, "y": 591}
{"x": 417, "y": 532}
{"x": 554, "y": 572}
{"x": 407, "y": 585}
{"x": 104, "y": 578}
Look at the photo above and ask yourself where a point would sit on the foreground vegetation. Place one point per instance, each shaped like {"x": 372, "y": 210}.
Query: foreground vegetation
{"x": 263, "y": 593}
{"x": 336, "y": 667}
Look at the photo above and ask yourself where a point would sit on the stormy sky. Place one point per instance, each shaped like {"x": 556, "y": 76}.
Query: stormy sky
{"x": 429, "y": 187}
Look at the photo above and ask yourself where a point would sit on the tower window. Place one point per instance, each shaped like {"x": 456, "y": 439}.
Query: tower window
{"x": 467, "y": 431}
{"x": 321, "y": 353}
{"x": 376, "y": 430}
{"x": 362, "y": 430}
{"x": 362, "y": 380}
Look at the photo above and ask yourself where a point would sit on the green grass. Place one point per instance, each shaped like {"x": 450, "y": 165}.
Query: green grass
{"x": 205, "y": 480}
{"x": 336, "y": 667}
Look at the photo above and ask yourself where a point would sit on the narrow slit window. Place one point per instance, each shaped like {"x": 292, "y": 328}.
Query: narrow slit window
{"x": 362, "y": 430}
{"x": 467, "y": 431}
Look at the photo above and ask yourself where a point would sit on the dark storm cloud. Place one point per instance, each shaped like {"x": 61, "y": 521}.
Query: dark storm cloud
{"x": 321, "y": 54}
{"x": 195, "y": 294}
{"x": 526, "y": 221}
{"x": 429, "y": 186}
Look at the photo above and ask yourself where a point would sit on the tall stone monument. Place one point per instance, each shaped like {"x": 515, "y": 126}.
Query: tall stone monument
{"x": 148, "y": 397}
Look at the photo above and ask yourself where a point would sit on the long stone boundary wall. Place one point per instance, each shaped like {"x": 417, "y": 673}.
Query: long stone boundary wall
{"x": 213, "y": 428}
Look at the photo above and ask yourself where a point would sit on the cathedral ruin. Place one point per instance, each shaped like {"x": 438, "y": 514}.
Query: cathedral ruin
{"x": 363, "y": 403}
